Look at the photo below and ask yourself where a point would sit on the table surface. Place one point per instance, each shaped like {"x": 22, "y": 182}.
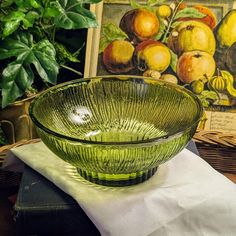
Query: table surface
{"x": 7, "y": 227}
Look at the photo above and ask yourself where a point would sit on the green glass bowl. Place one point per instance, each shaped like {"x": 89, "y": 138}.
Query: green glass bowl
{"x": 116, "y": 130}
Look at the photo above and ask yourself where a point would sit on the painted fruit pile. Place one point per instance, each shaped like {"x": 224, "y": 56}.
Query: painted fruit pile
{"x": 177, "y": 43}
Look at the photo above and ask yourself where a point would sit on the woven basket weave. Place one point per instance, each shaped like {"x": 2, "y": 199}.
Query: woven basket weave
{"x": 9, "y": 178}
{"x": 18, "y": 127}
{"x": 218, "y": 149}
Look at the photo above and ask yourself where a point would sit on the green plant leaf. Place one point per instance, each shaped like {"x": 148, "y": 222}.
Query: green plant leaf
{"x": 16, "y": 79}
{"x": 73, "y": 15}
{"x": 189, "y": 12}
{"x": 34, "y": 3}
{"x": 27, "y": 3}
{"x": 29, "y": 19}
{"x": 18, "y": 75}
{"x": 51, "y": 12}
{"x": 63, "y": 55}
{"x": 12, "y": 22}
{"x": 6, "y": 3}
{"x": 110, "y": 32}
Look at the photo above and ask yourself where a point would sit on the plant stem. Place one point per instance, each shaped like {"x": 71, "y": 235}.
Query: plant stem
{"x": 171, "y": 21}
{"x": 5, "y": 13}
{"x": 53, "y": 34}
{"x": 71, "y": 69}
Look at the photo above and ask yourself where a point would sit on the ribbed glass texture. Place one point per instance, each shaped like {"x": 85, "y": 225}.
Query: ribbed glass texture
{"x": 116, "y": 129}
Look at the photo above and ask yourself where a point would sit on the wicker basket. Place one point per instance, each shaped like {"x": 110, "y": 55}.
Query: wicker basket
{"x": 19, "y": 130}
{"x": 218, "y": 149}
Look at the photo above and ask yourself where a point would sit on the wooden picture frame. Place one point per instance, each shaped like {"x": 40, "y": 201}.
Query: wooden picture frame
{"x": 222, "y": 119}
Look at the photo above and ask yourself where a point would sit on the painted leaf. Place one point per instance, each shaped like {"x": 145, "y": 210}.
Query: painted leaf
{"x": 103, "y": 44}
{"x": 155, "y": 2}
{"x": 175, "y": 24}
{"x": 189, "y": 12}
{"x": 18, "y": 75}
{"x": 210, "y": 95}
{"x": 207, "y": 96}
{"x": 161, "y": 29}
{"x": 73, "y": 15}
{"x": 174, "y": 59}
{"x": 110, "y": 32}
{"x": 135, "y": 4}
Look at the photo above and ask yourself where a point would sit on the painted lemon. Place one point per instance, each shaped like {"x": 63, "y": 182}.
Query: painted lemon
{"x": 226, "y": 32}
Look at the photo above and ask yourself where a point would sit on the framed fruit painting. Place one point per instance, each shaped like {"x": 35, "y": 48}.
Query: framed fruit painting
{"x": 189, "y": 43}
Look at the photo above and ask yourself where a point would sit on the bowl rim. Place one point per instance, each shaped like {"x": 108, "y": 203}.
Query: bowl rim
{"x": 121, "y": 77}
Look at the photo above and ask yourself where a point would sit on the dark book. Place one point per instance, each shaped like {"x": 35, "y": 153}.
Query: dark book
{"x": 43, "y": 209}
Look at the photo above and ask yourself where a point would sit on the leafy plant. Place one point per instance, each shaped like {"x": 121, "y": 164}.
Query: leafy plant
{"x": 30, "y": 51}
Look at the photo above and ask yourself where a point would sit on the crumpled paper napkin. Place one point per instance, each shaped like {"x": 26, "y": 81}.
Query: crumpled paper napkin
{"x": 185, "y": 197}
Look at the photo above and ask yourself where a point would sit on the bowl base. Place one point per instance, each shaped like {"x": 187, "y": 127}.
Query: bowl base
{"x": 117, "y": 180}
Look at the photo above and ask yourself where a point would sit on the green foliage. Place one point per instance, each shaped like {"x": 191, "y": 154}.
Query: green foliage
{"x": 28, "y": 45}
{"x": 73, "y": 15}
{"x": 18, "y": 75}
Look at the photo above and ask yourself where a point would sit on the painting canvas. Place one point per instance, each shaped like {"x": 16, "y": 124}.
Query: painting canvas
{"x": 190, "y": 43}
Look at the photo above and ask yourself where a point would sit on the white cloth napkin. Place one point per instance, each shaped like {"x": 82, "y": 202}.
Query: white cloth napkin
{"x": 185, "y": 197}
